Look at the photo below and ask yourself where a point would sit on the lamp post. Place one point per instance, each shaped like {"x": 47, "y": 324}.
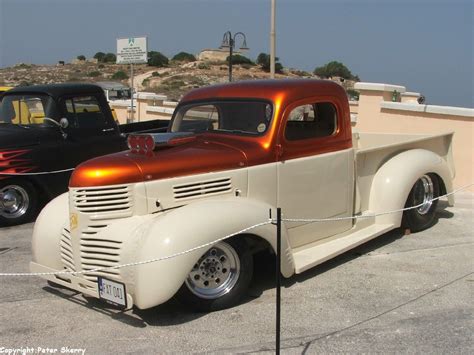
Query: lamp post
{"x": 229, "y": 42}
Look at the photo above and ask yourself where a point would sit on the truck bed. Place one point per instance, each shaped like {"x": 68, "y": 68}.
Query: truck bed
{"x": 374, "y": 149}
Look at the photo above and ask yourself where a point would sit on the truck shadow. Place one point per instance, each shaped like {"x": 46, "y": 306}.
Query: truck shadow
{"x": 264, "y": 274}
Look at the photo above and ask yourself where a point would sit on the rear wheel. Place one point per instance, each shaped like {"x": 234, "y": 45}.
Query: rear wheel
{"x": 18, "y": 202}
{"x": 220, "y": 278}
{"x": 422, "y": 193}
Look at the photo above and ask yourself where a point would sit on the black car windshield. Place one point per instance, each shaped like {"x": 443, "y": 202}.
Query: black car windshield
{"x": 27, "y": 109}
{"x": 236, "y": 117}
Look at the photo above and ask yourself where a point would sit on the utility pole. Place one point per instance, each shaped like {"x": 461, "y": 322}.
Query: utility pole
{"x": 272, "y": 42}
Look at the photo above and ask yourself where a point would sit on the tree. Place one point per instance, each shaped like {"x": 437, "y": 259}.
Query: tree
{"x": 99, "y": 56}
{"x": 335, "y": 68}
{"x": 110, "y": 58}
{"x": 81, "y": 57}
{"x": 263, "y": 60}
{"x": 240, "y": 59}
{"x": 184, "y": 57}
{"x": 157, "y": 59}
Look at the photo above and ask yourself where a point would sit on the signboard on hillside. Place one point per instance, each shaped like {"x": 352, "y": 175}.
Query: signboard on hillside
{"x": 132, "y": 50}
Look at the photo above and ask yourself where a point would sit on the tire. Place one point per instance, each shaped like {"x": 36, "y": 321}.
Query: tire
{"x": 425, "y": 189}
{"x": 229, "y": 266}
{"x": 18, "y": 202}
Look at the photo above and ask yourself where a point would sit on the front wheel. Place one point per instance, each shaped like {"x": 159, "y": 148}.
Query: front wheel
{"x": 18, "y": 202}
{"x": 220, "y": 278}
{"x": 426, "y": 188}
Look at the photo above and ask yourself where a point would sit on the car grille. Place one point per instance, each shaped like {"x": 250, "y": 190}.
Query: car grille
{"x": 104, "y": 203}
{"x": 95, "y": 253}
{"x": 99, "y": 253}
{"x": 65, "y": 246}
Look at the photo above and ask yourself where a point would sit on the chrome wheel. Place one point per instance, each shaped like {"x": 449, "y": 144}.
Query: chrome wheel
{"x": 215, "y": 273}
{"x": 424, "y": 194}
{"x": 14, "y": 201}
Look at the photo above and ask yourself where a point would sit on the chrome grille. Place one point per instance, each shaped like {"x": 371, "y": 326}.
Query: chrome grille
{"x": 110, "y": 202}
{"x": 65, "y": 246}
{"x": 210, "y": 187}
{"x": 99, "y": 253}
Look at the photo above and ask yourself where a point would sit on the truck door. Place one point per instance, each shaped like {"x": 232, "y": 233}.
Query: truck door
{"x": 315, "y": 170}
{"x": 91, "y": 132}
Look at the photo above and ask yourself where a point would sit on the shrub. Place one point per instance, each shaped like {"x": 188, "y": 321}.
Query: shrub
{"x": 81, "y": 57}
{"x": 120, "y": 75}
{"x": 184, "y": 57}
{"x": 240, "y": 59}
{"x": 203, "y": 66}
{"x": 99, "y": 56}
{"x": 157, "y": 59}
{"x": 263, "y": 60}
{"x": 145, "y": 82}
{"x": 94, "y": 73}
{"x": 101, "y": 66}
{"x": 109, "y": 58}
{"x": 155, "y": 73}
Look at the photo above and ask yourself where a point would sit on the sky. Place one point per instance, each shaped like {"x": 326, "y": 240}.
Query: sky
{"x": 424, "y": 45}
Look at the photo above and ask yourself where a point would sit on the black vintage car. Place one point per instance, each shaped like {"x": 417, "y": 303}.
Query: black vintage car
{"x": 47, "y": 130}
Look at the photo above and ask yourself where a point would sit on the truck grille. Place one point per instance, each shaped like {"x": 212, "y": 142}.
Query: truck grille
{"x": 103, "y": 203}
{"x": 210, "y": 187}
{"x": 99, "y": 253}
{"x": 65, "y": 247}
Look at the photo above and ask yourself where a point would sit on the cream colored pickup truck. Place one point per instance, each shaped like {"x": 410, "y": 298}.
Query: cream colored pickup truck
{"x": 232, "y": 153}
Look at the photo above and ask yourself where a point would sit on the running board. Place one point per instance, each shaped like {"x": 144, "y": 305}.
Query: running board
{"x": 307, "y": 258}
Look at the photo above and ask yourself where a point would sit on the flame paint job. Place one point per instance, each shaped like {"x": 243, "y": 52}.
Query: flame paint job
{"x": 15, "y": 162}
{"x": 211, "y": 152}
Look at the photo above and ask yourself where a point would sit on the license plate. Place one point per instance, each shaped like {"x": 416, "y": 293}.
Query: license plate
{"x": 112, "y": 292}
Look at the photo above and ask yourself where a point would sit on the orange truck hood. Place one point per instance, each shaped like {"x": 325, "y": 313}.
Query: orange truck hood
{"x": 199, "y": 156}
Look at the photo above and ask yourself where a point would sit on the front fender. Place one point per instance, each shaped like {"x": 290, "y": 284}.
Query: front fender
{"x": 190, "y": 227}
{"x": 393, "y": 181}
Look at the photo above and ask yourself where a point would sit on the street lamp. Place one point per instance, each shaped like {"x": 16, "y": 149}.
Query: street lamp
{"x": 229, "y": 42}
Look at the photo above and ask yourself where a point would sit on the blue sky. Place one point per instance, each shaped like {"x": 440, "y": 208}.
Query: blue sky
{"x": 425, "y": 45}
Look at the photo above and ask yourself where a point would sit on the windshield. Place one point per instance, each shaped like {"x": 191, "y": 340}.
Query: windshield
{"x": 238, "y": 117}
{"x": 29, "y": 109}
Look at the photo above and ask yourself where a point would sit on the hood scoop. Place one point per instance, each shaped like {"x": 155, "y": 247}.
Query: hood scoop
{"x": 147, "y": 142}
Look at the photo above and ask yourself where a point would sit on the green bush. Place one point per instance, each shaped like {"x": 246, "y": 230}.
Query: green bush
{"x": 184, "y": 57}
{"x": 145, "y": 82}
{"x": 157, "y": 59}
{"x": 240, "y": 59}
{"x": 263, "y": 60}
{"x": 203, "y": 66}
{"x": 334, "y": 68}
{"x": 94, "y": 73}
{"x": 109, "y": 58}
{"x": 120, "y": 75}
{"x": 81, "y": 57}
{"x": 101, "y": 66}
{"x": 99, "y": 56}
{"x": 155, "y": 73}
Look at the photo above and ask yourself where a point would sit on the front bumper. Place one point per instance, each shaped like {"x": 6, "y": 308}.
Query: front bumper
{"x": 72, "y": 282}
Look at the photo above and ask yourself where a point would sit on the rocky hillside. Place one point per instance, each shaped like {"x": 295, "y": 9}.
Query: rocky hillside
{"x": 173, "y": 80}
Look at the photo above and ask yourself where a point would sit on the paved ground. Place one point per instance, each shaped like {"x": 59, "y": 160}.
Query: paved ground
{"x": 395, "y": 294}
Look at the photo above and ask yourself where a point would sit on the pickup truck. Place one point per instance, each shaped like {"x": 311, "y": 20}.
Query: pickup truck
{"x": 48, "y": 128}
{"x": 231, "y": 154}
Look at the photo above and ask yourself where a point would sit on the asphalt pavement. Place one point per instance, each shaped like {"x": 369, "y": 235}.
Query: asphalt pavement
{"x": 396, "y": 294}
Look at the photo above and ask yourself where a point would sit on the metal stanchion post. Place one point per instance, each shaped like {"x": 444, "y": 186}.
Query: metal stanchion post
{"x": 278, "y": 282}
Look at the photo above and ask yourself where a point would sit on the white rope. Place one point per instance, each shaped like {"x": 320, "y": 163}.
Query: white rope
{"x": 270, "y": 221}
{"x": 38, "y": 173}
{"x": 138, "y": 262}
{"x": 372, "y": 215}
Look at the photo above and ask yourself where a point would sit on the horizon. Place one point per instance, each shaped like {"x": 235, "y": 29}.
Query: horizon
{"x": 426, "y": 46}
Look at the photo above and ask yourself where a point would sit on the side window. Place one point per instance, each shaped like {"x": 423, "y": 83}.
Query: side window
{"x": 85, "y": 112}
{"x": 311, "y": 121}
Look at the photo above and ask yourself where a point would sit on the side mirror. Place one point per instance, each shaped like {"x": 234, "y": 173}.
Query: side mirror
{"x": 63, "y": 123}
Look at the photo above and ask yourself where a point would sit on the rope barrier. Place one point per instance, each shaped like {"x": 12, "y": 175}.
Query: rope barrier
{"x": 269, "y": 221}
{"x": 38, "y": 173}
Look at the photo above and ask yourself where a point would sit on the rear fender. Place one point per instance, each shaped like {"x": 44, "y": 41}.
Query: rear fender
{"x": 190, "y": 227}
{"x": 393, "y": 181}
